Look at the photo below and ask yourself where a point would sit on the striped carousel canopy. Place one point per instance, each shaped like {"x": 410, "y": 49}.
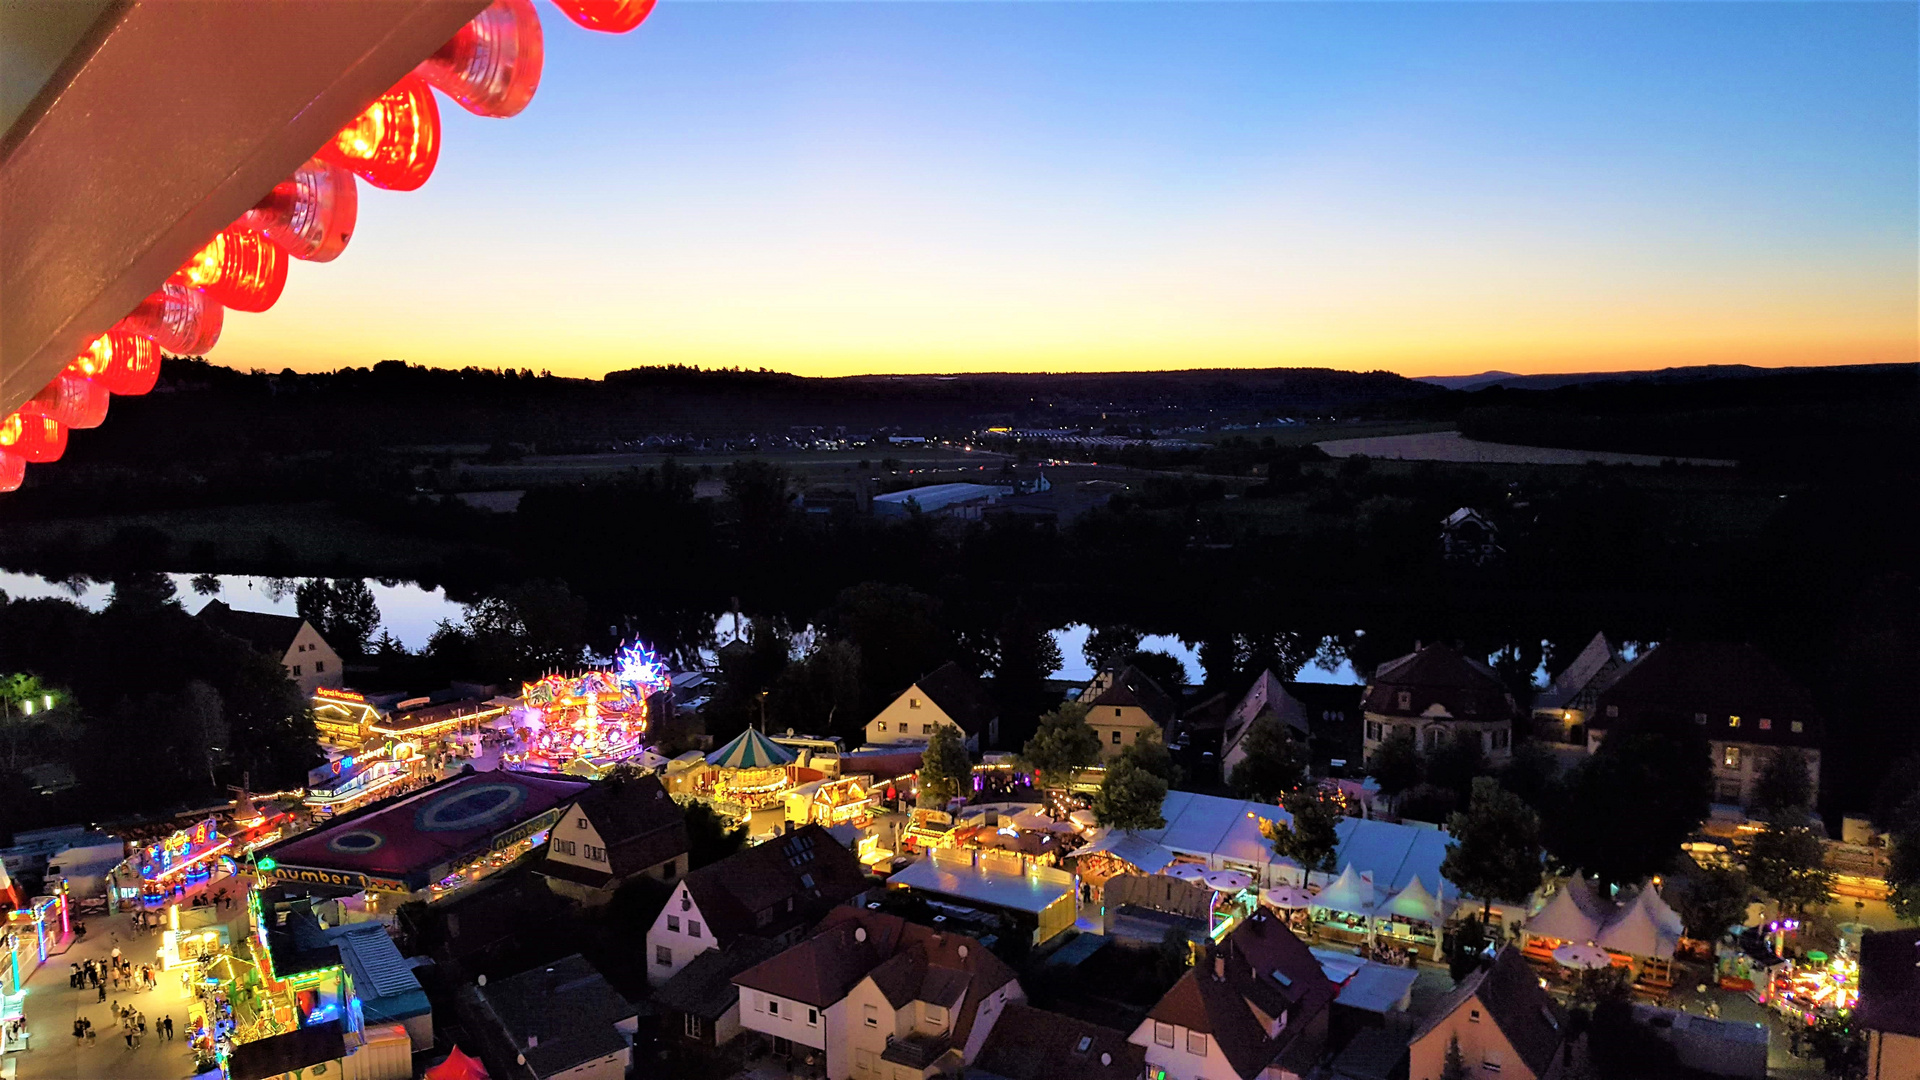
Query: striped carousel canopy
{"x": 751, "y": 750}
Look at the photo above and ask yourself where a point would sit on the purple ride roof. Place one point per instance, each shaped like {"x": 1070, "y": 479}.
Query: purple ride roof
{"x": 407, "y": 839}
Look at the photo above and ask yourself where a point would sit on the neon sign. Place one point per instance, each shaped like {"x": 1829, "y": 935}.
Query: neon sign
{"x": 181, "y": 851}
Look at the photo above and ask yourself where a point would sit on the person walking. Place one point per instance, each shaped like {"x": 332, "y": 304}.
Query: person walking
{"x": 166, "y": 1028}
{"x": 102, "y": 987}
{"x": 128, "y": 1035}
{"x": 90, "y": 1034}
{"x": 79, "y": 1030}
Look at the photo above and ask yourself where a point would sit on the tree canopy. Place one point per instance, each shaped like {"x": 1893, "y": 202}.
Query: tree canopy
{"x": 1396, "y": 764}
{"x": 1496, "y": 852}
{"x": 1130, "y": 798}
{"x": 945, "y": 768}
{"x": 1623, "y": 813}
{"x": 342, "y": 610}
{"x": 1312, "y": 840}
{"x": 1786, "y": 861}
{"x": 1275, "y": 763}
{"x": 1063, "y": 745}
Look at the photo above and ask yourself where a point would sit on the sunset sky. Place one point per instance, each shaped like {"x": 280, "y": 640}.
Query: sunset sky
{"x": 1429, "y": 188}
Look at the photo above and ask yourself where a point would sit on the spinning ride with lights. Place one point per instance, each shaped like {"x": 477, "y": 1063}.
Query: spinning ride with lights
{"x": 592, "y": 720}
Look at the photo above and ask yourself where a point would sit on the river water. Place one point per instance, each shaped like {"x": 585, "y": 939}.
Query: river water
{"x": 410, "y": 613}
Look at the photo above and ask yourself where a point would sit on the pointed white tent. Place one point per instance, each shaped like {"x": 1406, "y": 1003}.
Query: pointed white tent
{"x": 1588, "y": 898}
{"x": 1349, "y": 893}
{"x": 1564, "y": 919}
{"x": 1636, "y": 931}
{"x": 1663, "y": 914}
{"x": 1412, "y": 902}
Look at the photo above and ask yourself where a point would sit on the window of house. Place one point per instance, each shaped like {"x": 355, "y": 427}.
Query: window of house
{"x": 764, "y": 918}
{"x": 693, "y": 927}
{"x": 1116, "y": 737}
{"x": 663, "y": 956}
{"x": 1730, "y": 757}
{"x": 1798, "y": 727}
{"x": 1085, "y": 1043}
{"x": 1613, "y": 710}
{"x": 1699, "y": 718}
{"x": 1373, "y": 730}
{"x": 1729, "y": 792}
{"x": 1490, "y": 1061}
{"x": 773, "y": 1007}
{"x": 1163, "y": 1033}
{"x": 937, "y": 1016}
{"x": 863, "y": 1061}
{"x": 1197, "y": 1043}
{"x": 1766, "y": 724}
{"x": 1405, "y": 699}
{"x": 673, "y": 923}
{"x": 564, "y": 847}
{"x": 580, "y": 822}
{"x": 870, "y": 1015}
{"x": 926, "y": 729}
{"x": 296, "y": 669}
{"x": 319, "y": 666}
{"x": 1473, "y": 1016}
{"x": 913, "y": 703}
{"x": 694, "y": 1030}
{"x": 881, "y": 724}
{"x": 1116, "y": 710}
{"x": 813, "y": 1017}
{"x": 1733, "y": 721}
{"x": 596, "y": 854}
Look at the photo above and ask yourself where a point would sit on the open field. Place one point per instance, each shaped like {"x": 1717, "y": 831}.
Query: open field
{"x": 1452, "y": 446}
{"x": 226, "y": 537}
{"x": 1304, "y": 434}
{"x": 538, "y": 470}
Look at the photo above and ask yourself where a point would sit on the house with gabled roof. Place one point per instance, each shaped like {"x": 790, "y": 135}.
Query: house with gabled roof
{"x": 1732, "y": 693}
{"x": 617, "y": 831}
{"x": 774, "y": 890}
{"x": 1035, "y": 1044}
{"x": 879, "y": 998}
{"x": 1123, "y": 705}
{"x": 291, "y": 640}
{"x": 1266, "y": 699}
{"x": 1256, "y": 1006}
{"x": 1560, "y": 711}
{"x": 1438, "y": 694}
{"x": 1506, "y": 1025}
{"x": 949, "y": 695}
{"x": 701, "y": 1005}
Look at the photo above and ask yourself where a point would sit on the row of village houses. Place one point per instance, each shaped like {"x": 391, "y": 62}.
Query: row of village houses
{"x": 1744, "y": 704}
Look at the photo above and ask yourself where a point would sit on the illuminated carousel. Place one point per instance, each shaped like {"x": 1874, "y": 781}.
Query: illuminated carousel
{"x": 585, "y": 724}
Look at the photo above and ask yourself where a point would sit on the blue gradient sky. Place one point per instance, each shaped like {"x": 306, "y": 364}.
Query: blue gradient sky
{"x": 832, "y": 188}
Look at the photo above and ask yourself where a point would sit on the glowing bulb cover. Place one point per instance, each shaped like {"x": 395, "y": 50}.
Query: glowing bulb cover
{"x": 239, "y": 269}
{"x": 310, "y": 214}
{"x": 395, "y": 143}
{"x": 609, "y": 16}
{"x": 492, "y": 66}
{"x": 13, "y": 470}
{"x": 71, "y": 400}
{"x": 122, "y": 363}
{"x": 179, "y": 318}
{"x": 36, "y": 439}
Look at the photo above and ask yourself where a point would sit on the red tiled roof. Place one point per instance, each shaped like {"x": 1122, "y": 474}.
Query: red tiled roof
{"x": 1510, "y": 992}
{"x": 1680, "y": 680}
{"x": 908, "y": 962}
{"x": 1260, "y": 966}
{"x": 1033, "y": 1044}
{"x": 1131, "y": 686}
{"x": 959, "y": 694}
{"x": 795, "y": 878}
{"x": 1437, "y": 675}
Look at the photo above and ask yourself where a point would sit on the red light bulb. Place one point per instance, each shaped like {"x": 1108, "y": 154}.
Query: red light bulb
{"x": 71, "y": 399}
{"x": 180, "y": 319}
{"x": 122, "y": 363}
{"x": 311, "y": 213}
{"x": 239, "y": 269}
{"x": 13, "y": 470}
{"x": 492, "y": 66}
{"x": 35, "y": 439}
{"x": 395, "y": 143}
{"x": 610, "y": 16}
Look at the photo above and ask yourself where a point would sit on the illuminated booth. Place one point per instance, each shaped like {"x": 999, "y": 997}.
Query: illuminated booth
{"x": 748, "y": 773}
{"x": 434, "y": 840}
{"x": 587, "y": 723}
{"x": 354, "y": 780}
{"x": 344, "y": 718}
{"x": 168, "y": 867}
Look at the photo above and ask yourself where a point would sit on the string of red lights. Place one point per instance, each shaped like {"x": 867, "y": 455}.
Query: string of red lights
{"x": 490, "y": 67}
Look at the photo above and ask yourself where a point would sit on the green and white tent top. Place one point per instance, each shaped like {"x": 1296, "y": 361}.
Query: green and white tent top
{"x": 751, "y": 750}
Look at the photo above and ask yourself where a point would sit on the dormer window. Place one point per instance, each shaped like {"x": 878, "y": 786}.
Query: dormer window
{"x": 1613, "y": 712}
{"x": 1473, "y": 1016}
{"x": 1766, "y": 724}
{"x": 913, "y": 703}
{"x": 1699, "y": 718}
{"x": 1085, "y": 1044}
{"x": 1405, "y": 699}
{"x": 1798, "y": 727}
{"x": 1733, "y": 721}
